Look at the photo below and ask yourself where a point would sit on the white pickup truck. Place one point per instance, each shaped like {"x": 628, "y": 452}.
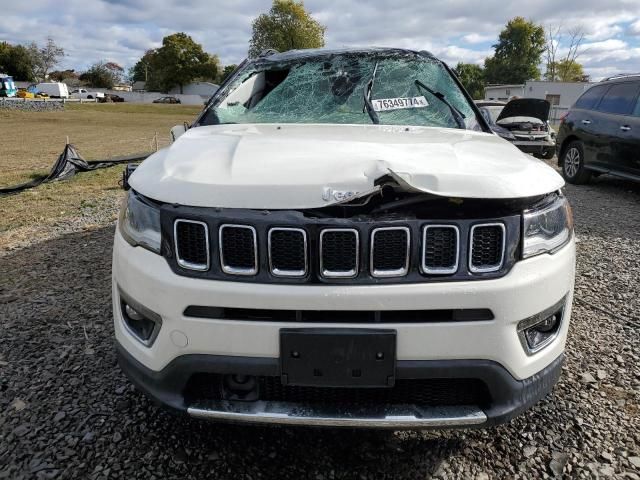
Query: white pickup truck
{"x": 84, "y": 94}
{"x": 339, "y": 239}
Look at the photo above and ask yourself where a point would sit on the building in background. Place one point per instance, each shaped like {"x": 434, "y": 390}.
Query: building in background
{"x": 561, "y": 95}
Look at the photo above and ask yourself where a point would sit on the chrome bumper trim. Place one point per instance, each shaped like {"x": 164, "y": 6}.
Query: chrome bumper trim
{"x": 396, "y": 416}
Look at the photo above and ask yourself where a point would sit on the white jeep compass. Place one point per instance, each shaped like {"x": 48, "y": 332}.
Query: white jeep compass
{"x": 339, "y": 239}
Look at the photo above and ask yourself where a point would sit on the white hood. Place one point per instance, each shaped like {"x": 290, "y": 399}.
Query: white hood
{"x": 302, "y": 166}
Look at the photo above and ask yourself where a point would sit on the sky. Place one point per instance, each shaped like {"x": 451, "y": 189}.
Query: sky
{"x": 453, "y": 30}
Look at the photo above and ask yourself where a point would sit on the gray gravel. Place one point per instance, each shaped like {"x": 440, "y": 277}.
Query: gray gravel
{"x": 66, "y": 411}
{"x": 31, "y": 105}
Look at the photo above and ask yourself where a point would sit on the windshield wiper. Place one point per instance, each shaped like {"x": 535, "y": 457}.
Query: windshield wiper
{"x": 367, "y": 97}
{"x": 457, "y": 114}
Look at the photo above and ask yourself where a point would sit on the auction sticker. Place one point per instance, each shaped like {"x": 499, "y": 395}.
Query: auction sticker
{"x": 383, "y": 104}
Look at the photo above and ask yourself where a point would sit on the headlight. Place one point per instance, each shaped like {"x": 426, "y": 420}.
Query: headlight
{"x": 547, "y": 229}
{"x": 140, "y": 223}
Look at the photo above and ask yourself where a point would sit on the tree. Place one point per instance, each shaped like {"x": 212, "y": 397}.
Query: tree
{"x": 140, "y": 71}
{"x": 472, "y": 78}
{"x": 16, "y": 61}
{"x": 287, "y": 26}
{"x": 63, "y": 75}
{"x": 116, "y": 71}
{"x": 44, "y": 58}
{"x": 181, "y": 60}
{"x": 566, "y": 71}
{"x": 226, "y": 71}
{"x": 569, "y": 65}
{"x": 100, "y": 75}
{"x": 517, "y": 54}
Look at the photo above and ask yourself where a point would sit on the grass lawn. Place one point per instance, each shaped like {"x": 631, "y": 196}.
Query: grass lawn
{"x": 31, "y": 142}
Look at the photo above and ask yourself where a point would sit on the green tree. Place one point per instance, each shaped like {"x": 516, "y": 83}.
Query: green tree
{"x": 180, "y": 61}
{"x": 472, "y": 78}
{"x": 101, "y": 75}
{"x": 287, "y": 26}
{"x": 517, "y": 53}
{"x": 44, "y": 58}
{"x": 15, "y": 60}
{"x": 141, "y": 71}
{"x": 63, "y": 75}
{"x": 566, "y": 71}
{"x": 226, "y": 71}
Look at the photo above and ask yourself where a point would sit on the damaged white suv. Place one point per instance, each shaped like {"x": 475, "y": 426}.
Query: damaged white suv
{"x": 339, "y": 239}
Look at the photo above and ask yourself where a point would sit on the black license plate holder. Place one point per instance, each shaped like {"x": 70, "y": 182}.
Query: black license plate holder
{"x": 322, "y": 357}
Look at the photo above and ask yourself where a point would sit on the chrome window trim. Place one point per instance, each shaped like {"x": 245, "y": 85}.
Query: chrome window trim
{"x": 289, "y": 273}
{"x": 493, "y": 268}
{"x": 340, "y": 274}
{"x": 439, "y": 271}
{"x": 200, "y": 267}
{"x": 234, "y": 270}
{"x": 398, "y": 272}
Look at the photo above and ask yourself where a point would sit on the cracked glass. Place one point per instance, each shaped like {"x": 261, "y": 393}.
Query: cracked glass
{"x": 331, "y": 89}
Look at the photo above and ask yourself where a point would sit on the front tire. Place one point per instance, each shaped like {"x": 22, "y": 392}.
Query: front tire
{"x": 573, "y": 169}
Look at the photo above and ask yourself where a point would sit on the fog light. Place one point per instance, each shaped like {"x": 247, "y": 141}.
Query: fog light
{"x": 141, "y": 322}
{"x": 540, "y": 330}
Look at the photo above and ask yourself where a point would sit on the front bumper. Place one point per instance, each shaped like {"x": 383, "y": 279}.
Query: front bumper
{"x": 489, "y": 350}
{"x": 534, "y": 146}
{"x": 509, "y": 397}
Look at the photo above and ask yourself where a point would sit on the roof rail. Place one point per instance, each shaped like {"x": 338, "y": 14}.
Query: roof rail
{"x": 621, "y": 75}
{"x": 267, "y": 52}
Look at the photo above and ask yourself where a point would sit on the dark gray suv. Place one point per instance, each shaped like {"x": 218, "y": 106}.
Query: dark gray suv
{"x": 601, "y": 132}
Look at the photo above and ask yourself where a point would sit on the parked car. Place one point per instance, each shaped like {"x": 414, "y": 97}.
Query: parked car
{"x": 528, "y": 121}
{"x": 53, "y": 89}
{"x": 601, "y": 132}
{"x": 340, "y": 239}
{"x": 7, "y": 86}
{"x": 490, "y": 111}
{"x": 167, "y": 100}
{"x": 23, "y": 93}
{"x": 111, "y": 97}
{"x": 85, "y": 94}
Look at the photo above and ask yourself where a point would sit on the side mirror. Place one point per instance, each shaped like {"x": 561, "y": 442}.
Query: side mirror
{"x": 178, "y": 130}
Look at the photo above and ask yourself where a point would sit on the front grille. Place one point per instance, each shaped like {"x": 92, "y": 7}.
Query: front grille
{"x": 192, "y": 244}
{"x": 421, "y": 392}
{"x": 440, "y": 249}
{"x": 284, "y": 247}
{"x": 238, "y": 249}
{"x": 339, "y": 252}
{"x": 487, "y": 247}
{"x": 390, "y": 252}
{"x": 288, "y": 252}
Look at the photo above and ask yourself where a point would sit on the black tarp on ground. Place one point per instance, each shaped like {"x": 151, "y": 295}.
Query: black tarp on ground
{"x": 68, "y": 164}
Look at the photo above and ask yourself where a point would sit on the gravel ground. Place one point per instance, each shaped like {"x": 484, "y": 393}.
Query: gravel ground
{"x": 31, "y": 105}
{"x": 66, "y": 410}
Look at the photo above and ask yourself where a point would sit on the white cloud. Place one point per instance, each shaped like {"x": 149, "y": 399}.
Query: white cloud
{"x": 121, "y": 30}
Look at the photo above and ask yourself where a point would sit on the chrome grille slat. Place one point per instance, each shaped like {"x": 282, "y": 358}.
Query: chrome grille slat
{"x": 333, "y": 242}
{"x": 238, "y": 262}
{"x": 198, "y": 240}
{"x": 492, "y": 236}
{"x": 435, "y": 251}
{"x": 387, "y": 242}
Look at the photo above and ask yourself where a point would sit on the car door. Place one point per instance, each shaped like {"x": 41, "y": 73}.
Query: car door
{"x": 582, "y": 120}
{"x": 630, "y": 140}
{"x": 618, "y": 125}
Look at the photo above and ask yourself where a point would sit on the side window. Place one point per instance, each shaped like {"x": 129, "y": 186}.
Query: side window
{"x": 591, "y": 97}
{"x": 636, "y": 111}
{"x": 620, "y": 98}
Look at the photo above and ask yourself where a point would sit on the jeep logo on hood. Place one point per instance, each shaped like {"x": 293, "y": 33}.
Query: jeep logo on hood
{"x": 329, "y": 193}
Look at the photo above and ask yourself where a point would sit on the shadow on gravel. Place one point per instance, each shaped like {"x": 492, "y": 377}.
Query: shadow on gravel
{"x": 66, "y": 410}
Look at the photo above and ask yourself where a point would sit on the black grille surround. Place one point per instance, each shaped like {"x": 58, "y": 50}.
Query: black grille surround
{"x": 264, "y": 221}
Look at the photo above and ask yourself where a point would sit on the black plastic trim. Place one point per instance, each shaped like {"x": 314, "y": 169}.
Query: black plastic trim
{"x": 509, "y": 396}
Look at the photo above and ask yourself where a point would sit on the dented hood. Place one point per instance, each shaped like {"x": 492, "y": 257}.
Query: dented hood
{"x": 311, "y": 166}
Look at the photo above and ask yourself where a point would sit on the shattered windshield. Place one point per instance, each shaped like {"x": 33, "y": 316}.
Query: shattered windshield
{"x": 331, "y": 89}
